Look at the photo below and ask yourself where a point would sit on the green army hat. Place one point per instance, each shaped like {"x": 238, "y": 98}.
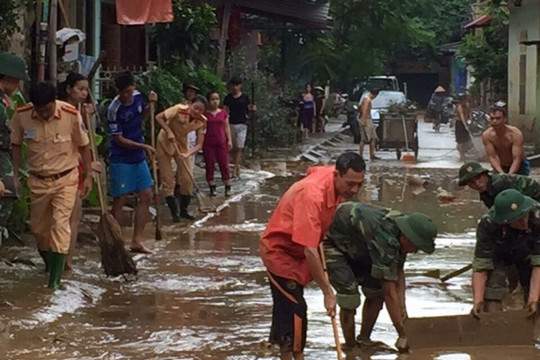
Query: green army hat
{"x": 13, "y": 65}
{"x": 510, "y": 205}
{"x": 420, "y": 229}
{"x": 469, "y": 171}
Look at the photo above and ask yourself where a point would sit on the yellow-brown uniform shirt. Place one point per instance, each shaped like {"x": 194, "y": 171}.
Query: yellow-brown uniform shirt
{"x": 52, "y": 144}
{"x": 178, "y": 120}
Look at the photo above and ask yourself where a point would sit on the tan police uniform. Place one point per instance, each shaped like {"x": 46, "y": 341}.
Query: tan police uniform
{"x": 178, "y": 120}
{"x": 52, "y": 158}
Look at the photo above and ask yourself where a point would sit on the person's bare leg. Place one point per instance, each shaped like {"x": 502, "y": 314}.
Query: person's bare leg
{"x": 346, "y": 318}
{"x": 372, "y": 145}
{"x": 370, "y": 313}
{"x": 298, "y": 356}
{"x": 361, "y": 148}
{"x": 237, "y": 158}
{"x": 286, "y": 356}
{"x": 74, "y": 225}
{"x": 117, "y": 209}
{"x": 141, "y": 217}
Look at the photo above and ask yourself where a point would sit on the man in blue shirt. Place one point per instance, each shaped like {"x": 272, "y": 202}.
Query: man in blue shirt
{"x": 129, "y": 171}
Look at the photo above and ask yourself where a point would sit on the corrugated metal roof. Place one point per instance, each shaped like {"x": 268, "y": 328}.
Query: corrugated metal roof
{"x": 312, "y": 13}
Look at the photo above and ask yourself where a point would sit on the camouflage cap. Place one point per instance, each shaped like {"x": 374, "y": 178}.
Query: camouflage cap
{"x": 420, "y": 229}
{"x": 469, "y": 171}
{"x": 13, "y": 65}
{"x": 510, "y": 205}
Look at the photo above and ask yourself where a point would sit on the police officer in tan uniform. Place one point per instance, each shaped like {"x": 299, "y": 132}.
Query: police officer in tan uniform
{"x": 54, "y": 134}
{"x": 176, "y": 122}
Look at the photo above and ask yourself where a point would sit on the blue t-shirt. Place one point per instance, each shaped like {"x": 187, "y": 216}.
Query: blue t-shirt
{"x": 126, "y": 120}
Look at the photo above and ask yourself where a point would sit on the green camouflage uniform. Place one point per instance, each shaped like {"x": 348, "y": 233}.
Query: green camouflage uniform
{"x": 500, "y": 182}
{"x": 498, "y": 246}
{"x": 362, "y": 248}
{"x": 6, "y": 167}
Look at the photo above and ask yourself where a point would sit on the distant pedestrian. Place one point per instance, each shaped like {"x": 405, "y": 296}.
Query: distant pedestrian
{"x": 12, "y": 71}
{"x": 504, "y": 145}
{"x": 129, "y": 170}
{"x": 308, "y": 111}
{"x": 463, "y": 138}
{"x": 74, "y": 91}
{"x": 54, "y": 136}
{"x": 368, "y": 133}
{"x": 238, "y": 105}
{"x": 176, "y": 123}
{"x": 320, "y": 106}
{"x": 217, "y": 143}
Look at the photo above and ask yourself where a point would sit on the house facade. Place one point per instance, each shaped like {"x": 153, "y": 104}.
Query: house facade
{"x": 524, "y": 69}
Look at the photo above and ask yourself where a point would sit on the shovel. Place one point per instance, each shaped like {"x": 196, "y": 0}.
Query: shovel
{"x": 204, "y": 203}
{"x": 157, "y": 234}
{"x": 437, "y": 273}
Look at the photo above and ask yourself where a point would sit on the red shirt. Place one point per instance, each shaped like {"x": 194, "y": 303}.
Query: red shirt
{"x": 216, "y": 132}
{"x": 300, "y": 219}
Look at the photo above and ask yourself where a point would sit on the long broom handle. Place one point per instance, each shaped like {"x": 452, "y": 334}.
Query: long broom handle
{"x": 190, "y": 175}
{"x": 405, "y": 132}
{"x": 93, "y": 151}
{"x": 333, "y": 317}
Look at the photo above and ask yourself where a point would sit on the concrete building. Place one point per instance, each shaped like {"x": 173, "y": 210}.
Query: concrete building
{"x": 524, "y": 68}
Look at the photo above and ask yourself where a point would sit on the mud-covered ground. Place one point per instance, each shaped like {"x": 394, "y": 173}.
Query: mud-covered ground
{"x": 204, "y": 294}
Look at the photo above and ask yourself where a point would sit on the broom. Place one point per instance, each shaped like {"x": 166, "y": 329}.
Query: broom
{"x": 154, "y": 170}
{"x": 114, "y": 257}
{"x": 205, "y": 205}
{"x": 406, "y": 156}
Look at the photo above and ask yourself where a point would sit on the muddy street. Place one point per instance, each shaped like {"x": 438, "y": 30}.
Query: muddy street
{"x": 204, "y": 293}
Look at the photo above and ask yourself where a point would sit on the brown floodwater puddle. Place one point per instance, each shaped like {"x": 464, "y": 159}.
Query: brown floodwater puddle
{"x": 203, "y": 294}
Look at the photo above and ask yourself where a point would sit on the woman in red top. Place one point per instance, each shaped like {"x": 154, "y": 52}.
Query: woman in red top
{"x": 217, "y": 143}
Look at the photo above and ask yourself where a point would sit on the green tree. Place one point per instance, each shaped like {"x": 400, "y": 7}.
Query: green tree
{"x": 186, "y": 38}
{"x": 10, "y": 12}
{"x": 487, "y": 52}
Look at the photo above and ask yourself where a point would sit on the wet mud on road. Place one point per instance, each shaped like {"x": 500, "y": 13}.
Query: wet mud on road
{"x": 204, "y": 294}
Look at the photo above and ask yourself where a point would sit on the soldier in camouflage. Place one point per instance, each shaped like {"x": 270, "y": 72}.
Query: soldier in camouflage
{"x": 490, "y": 184}
{"x": 367, "y": 245}
{"x": 12, "y": 71}
{"x": 508, "y": 233}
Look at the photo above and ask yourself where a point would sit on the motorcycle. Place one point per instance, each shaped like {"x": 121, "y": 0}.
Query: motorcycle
{"x": 443, "y": 112}
{"x": 478, "y": 122}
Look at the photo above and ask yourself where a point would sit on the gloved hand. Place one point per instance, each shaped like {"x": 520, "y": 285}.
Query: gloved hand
{"x": 402, "y": 344}
{"x": 477, "y": 309}
{"x": 532, "y": 307}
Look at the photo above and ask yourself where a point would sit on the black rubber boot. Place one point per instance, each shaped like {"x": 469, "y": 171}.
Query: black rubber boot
{"x": 46, "y": 256}
{"x": 184, "y": 203}
{"x": 212, "y": 190}
{"x": 227, "y": 190}
{"x": 173, "y": 206}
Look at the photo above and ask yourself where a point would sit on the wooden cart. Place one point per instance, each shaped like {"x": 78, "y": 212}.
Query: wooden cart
{"x": 392, "y": 136}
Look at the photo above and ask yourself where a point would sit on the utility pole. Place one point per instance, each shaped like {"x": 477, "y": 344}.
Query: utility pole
{"x": 53, "y": 50}
{"x": 43, "y": 35}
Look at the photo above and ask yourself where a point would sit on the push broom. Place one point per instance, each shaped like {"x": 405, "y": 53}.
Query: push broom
{"x": 407, "y": 156}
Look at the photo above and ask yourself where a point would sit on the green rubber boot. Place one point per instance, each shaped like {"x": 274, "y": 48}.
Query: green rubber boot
{"x": 46, "y": 255}
{"x": 57, "y": 267}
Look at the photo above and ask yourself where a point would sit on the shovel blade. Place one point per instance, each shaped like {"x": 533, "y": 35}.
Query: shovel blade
{"x": 496, "y": 328}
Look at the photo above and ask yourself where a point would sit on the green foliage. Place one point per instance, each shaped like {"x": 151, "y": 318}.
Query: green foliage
{"x": 187, "y": 36}
{"x": 165, "y": 84}
{"x": 487, "y": 52}
{"x": 202, "y": 76}
{"x": 269, "y": 127}
{"x": 10, "y": 12}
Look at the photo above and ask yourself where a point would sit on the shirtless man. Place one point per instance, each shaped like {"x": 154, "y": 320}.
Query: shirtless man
{"x": 368, "y": 132}
{"x": 504, "y": 145}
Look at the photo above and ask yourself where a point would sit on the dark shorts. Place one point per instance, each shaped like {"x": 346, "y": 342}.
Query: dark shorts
{"x": 524, "y": 168}
{"x": 289, "y": 314}
{"x": 462, "y": 135}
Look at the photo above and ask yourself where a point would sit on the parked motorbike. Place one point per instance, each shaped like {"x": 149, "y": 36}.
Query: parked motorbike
{"x": 478, "y": 122}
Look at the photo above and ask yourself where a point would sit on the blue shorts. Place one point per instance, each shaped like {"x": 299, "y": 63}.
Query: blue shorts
{"x": 129, "y": 177}
{"x": 524, "y": 168}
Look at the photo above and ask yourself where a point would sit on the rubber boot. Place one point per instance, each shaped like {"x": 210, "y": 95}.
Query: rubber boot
{"x": 184, "y": 203}
{"x": 173, "y": 206}
{"x": 212, "y": 190}
{"x": 227, "y": 190}
{"x": 46, "y": 256}
{"x": 57, "y": 267}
